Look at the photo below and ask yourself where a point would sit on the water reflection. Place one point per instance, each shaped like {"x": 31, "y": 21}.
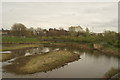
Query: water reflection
{"x": 5, "y": 51}
{"x": 31, "y": 51}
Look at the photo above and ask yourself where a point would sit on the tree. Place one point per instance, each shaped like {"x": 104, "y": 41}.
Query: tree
{"x": 62, "y": 32}
{"x": 32, "y": 31}
{"x": 19, "y": 29}
{"x": 61, "y": 28}
{"x": 87, "y": 30}
{"x": 76, "y": 30}
{"x": 40, "y": 32}
{"x": 111, "y": 37}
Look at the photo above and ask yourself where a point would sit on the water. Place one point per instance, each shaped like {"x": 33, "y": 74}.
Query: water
{"x": 5, "y": 51}
{"x": 90, "y": 65}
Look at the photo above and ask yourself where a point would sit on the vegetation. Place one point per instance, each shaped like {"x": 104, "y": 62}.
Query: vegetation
{"x": 109, "y": 40}
{"x": 108, "y": 44}
{"x": 5, "y": 56}
{"x": 111, "y": 73}
{"x": 19, "y": 29}
{"x": 20, "y": 46}
{"x": 19, "y": 40}
{"x": 41, "y": 63}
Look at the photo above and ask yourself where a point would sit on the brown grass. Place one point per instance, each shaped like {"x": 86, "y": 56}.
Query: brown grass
{"x": 18, "y": 46}
{"x": 5, "y": 56}
{"x": 41, "y": 63}
{"x": 111, "y": 73}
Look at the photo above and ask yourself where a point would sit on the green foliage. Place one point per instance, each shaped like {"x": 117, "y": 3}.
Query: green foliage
{"x": 75, "y": 30}
{"x": 19, "y": 29}
{"x": 111, "y": 73}
{"x": 111, "y": 38}
{"x": 80, "y": 39}
{"x": 75, "y": 34}
{"x": 19, "y": 40}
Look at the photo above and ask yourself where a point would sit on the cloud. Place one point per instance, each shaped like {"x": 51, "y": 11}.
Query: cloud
{"x": 101, "y": 16}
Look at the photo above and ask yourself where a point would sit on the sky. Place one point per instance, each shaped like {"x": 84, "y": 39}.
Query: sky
{"x": 97, "y": 16}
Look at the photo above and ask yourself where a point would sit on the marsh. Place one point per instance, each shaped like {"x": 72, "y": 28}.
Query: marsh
{"x": 89, "y": 64}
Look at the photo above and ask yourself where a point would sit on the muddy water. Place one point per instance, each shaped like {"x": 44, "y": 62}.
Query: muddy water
{"x": 91, "y": 65}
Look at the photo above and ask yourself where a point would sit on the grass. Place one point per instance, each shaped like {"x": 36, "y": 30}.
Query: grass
{"x": 18, "y": 46}
{"x": 41, "y": 63}
{"x": 79, "y": 42}
{"x": 110, "y": 50}
{"x": 19, "y": 40}
{"x": 5, "y": 56}
{"x": 68, "y": 44}
{"x": 111, "y": 73}
{"x": 70, "y": 39}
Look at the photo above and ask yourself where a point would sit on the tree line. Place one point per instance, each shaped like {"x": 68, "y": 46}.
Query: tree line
{"x": 74, "y": 34}
{"x": 21, "y": 30}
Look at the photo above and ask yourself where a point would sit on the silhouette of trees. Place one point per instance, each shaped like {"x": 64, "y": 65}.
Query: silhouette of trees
{"x": 56, "y": 32}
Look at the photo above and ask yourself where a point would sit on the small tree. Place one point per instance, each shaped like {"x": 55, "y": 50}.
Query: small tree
{"x": 87, "y": 30}
{"x": 19, "y": 29}
{"x": 72, "y": 31}
{"x": 111, "y": 37}
{"x": 76, "y": 30}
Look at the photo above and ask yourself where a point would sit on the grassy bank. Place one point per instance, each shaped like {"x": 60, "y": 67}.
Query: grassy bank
{"x": 67, "y": 41}
{"x": 6, "y": 47}
{"x": 109, "y": 50}
{"x": 112, "y": 72}
{"x": 68, "y": 44}
{"x": 17, "y": 46}
{"x": 41, "y": 63}
{"x": 19, "y": 40}
{"x": 5, "y": 56}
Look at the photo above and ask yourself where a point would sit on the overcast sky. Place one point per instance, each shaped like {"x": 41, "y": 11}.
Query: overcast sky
{"x": 96, "y": 16}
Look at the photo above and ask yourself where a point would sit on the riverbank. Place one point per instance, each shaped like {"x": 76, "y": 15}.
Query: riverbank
{"x": 41, "y": 63}
{"x": 109, "y": 50}
{"x": 67, "y": 41}
{"x": 6, "y": 47}
{"x": 112, "y": 74}
{"x": 5, "y": 56}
